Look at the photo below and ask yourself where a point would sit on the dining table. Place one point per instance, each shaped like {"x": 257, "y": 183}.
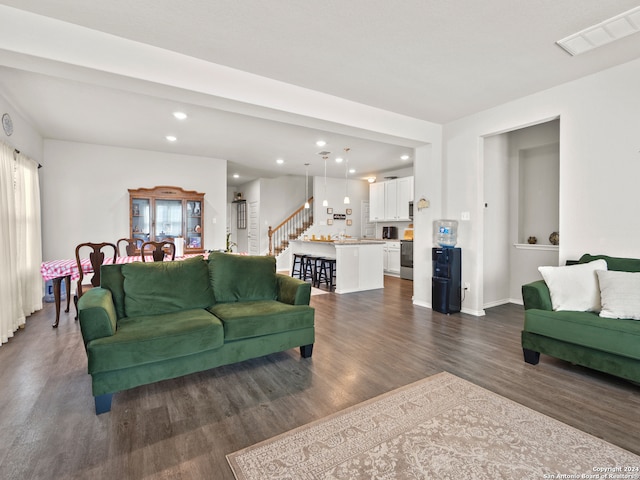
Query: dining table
{"x": 67, "y": 270}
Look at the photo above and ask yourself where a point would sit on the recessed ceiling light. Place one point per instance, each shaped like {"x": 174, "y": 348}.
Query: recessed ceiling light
{"x": 339, "y": 159}
{"x": 352, "y": 170}
{"x": 603, "y": 33}
{"x": 235, "y": 175}
{"x": 404, "y": 157}
{"x": 321, "y": 143}
{"x": 279, "y": 161}
{"x": 171, "y": 138}
{"x": 180, "y": 115}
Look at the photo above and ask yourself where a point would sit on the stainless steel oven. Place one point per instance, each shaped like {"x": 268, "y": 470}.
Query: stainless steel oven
{"x": 406, "y": 259}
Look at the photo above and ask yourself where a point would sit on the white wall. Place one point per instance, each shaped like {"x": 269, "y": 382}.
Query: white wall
{"x": 85, "y": 194}
{"x": 336, "y": 188}
{"x": 428, "y": 185}
{"x": 279, "y": 198}
{"x": 599, "y": 167}
{"x": 24, "y": 137}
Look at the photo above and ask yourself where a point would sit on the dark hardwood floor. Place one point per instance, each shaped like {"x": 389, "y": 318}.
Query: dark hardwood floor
{"x": 366, "y": 344}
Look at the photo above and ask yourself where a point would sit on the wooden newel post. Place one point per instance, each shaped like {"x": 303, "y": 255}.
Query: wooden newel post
{"x": 270, "y": 241}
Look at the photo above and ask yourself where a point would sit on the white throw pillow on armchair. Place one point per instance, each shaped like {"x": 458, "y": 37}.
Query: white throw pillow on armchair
{"x": 574, "y": 287}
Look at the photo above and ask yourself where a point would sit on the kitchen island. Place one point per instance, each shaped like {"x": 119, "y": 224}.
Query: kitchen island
{"x": 359, "y": 263}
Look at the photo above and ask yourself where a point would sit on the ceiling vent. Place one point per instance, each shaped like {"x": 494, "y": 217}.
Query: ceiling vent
{"x": 603, "y": 33}
{"x": 324, "y": 153}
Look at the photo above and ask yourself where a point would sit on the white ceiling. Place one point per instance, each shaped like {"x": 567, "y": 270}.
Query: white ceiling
{"x": 432, "y": 60}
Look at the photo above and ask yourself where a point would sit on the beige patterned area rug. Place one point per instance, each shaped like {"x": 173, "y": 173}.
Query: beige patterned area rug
{"x": 441, "y": 427}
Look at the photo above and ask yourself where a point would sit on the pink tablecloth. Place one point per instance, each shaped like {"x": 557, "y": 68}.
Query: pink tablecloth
{"x": 62, "y": 268}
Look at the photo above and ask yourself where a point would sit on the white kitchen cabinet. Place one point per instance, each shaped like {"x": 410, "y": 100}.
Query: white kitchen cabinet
{"x": 376, "y": 202}
{"x": 391, "y": 258}
{"x": 389, "y": 200}
{"x": 404, "y": 195}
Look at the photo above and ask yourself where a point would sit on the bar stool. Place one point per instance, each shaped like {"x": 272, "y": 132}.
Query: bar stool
{"x": 298, "y": 265}
{"x": 309, "y": 269}
{"x": 327, "y": 273}
{"x": 317, "y": 267}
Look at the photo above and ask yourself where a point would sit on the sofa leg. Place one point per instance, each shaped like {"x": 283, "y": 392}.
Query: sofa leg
{"x": 306, "y": 350}
{"x": 530, "y": 356}
{"x": 103, "y": 403}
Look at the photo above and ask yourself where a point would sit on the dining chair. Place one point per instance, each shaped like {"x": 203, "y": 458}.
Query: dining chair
{"x": 132, "y": 246}
{"x": 96, "y": 254}
{"x": 159, "y": 250}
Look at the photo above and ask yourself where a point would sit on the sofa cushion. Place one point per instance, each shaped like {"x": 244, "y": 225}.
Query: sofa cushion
{"x": 242, "y": 278}
{"x": 154, "y": 338}
{"x": 574, "y": 287}
{"x": 253, "y": 319}
{"x": 620, "y": 294}
{"x": 621, "y": 337}
{"x": 165, "y": 287}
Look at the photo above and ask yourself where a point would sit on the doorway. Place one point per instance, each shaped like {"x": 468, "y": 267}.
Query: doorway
{"x": 254, "y": 228}
{"x": 521, "y": 201}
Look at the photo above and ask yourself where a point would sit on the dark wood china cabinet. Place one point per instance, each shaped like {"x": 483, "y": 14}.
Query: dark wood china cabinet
{"x": 166, "y": 213}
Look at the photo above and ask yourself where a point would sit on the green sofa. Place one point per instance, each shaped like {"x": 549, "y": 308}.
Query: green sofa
{"x": 154, "y": 321}
{"x": 609, "y": 345}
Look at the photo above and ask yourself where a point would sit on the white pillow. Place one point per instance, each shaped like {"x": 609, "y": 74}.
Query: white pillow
{"x": 574, "y": 287}
{"x": 620, "y": 292}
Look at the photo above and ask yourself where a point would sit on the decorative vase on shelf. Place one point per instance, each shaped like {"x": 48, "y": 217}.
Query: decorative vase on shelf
{"x": 554, "y": 238}
{"x": 532, "y": 240}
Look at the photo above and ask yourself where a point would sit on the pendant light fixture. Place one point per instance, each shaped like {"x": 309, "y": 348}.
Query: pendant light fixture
{"x": 347, "y": 201}
{"x": 325, "y": 202}
{"x": 306, "y": 186}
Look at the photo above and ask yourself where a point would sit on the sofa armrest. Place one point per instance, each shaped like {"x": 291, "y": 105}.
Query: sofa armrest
{"x": 293, "y": 291}
{"x": 97, "y": 314}
{"x": 536, "y": 295}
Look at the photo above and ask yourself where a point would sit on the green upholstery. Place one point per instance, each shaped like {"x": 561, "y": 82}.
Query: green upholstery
{"x": 536, "y": 295}
{"x": 611, "y": 335}
{"x": 153, "y": 338}
{"x": 100, "y": 314}
{"x": 253, "y": 319}
{"x": 111, "y": 279}
{"x": 242, "y": 278}
{"x": 614, "y": 263}
{"x": 154, "y": 321}
{"x": 293, "y": 290}
{"x": 583, "y": 338}
{"x": 165, "y": 287}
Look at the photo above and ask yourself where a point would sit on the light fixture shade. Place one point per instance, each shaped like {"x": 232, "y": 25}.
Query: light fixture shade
{"x": 325, "y": 203}
{"x": 347, "y": 201}
{"x": 306, "y": 186}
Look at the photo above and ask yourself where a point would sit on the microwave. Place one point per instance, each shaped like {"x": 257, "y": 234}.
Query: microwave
{"x": 411, "y": 210}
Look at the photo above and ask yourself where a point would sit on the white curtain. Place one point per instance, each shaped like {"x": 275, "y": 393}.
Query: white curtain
{"x": 20, "y": 241}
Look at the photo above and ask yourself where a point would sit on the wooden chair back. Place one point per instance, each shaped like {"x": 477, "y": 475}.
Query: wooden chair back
{"x": 158, "y": 250}
{"x": 96, "y": 258}
{"x": 132, "y": 246}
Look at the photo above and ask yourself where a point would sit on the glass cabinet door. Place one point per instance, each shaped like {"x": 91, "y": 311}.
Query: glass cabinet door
{"x": 194, "y": 224}
{"x": 168, "y": 219}
{"x": 140, "y": 220}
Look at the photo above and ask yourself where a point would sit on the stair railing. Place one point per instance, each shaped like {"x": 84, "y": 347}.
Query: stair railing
{"x": 290, "y": 229}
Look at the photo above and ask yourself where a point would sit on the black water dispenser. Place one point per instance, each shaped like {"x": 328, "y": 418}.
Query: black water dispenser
{"x": 446, "y": 291}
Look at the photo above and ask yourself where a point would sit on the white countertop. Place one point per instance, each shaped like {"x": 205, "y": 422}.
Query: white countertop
{"x": 342, "y": 242}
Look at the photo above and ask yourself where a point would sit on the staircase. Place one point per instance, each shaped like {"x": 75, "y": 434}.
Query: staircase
{"x": 291, "y": 229}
